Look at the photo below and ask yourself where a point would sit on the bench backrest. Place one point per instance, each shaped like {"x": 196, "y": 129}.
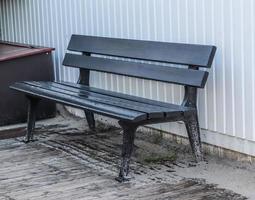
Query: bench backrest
{"x": 191, "y": 55}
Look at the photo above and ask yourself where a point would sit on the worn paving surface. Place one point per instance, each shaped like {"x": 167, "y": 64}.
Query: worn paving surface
{"x": 69, "y": 162}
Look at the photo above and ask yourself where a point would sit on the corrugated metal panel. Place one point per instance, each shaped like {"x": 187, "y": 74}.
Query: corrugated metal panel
{"x": 226, "y": 106}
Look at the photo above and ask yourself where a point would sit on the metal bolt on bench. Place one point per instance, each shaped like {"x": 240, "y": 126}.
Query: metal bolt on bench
{"x": 131, "y": 111}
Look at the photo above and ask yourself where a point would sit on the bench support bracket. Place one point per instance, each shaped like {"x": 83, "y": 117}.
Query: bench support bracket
{"x": 84, "y": 79}
{"x": 127, "y": 149}
{"x": 191, "y": 121}
{"x": 90, "y": 119}
{"x": 32, "y": 105}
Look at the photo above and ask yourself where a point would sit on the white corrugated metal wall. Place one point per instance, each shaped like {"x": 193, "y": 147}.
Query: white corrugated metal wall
{"x": 226, "y": 106}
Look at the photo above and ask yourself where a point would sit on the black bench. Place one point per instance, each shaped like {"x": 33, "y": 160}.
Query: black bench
{"x": 131, "y": 111}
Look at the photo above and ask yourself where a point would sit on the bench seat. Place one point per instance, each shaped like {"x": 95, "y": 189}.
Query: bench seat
{"x": 113, "y": 104}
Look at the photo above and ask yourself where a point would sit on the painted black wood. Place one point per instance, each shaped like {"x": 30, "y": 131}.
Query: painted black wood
{"x": 83, "y": 103}
{"x": 152, "y": 111}
{"x": 130, "y": 111}
{"x": 129, "y": 97}
{"x": 185, "y": 54}
{"x": 175, "y": 75}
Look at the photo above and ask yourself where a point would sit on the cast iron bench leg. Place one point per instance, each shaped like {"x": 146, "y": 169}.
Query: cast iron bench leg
{"x": 32, "y": 104}
{"x": 84, "y": 79}
{"x": 193, "y": 130}
{"x": 90, "y": 119}
{"x": 127, "y": 148}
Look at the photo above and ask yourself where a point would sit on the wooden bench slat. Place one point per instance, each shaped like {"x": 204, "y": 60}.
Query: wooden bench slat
{"x": 175, "y": 75}
{"x": 151, "y": 111}
{"x": 107, "y": 110}
{"x": 170, "y": 109}
{"x": 118, "y": 97}
{"x": 178, "y": 53}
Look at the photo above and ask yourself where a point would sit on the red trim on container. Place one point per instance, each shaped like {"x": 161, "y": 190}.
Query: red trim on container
{"x": 9, "y": 50}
